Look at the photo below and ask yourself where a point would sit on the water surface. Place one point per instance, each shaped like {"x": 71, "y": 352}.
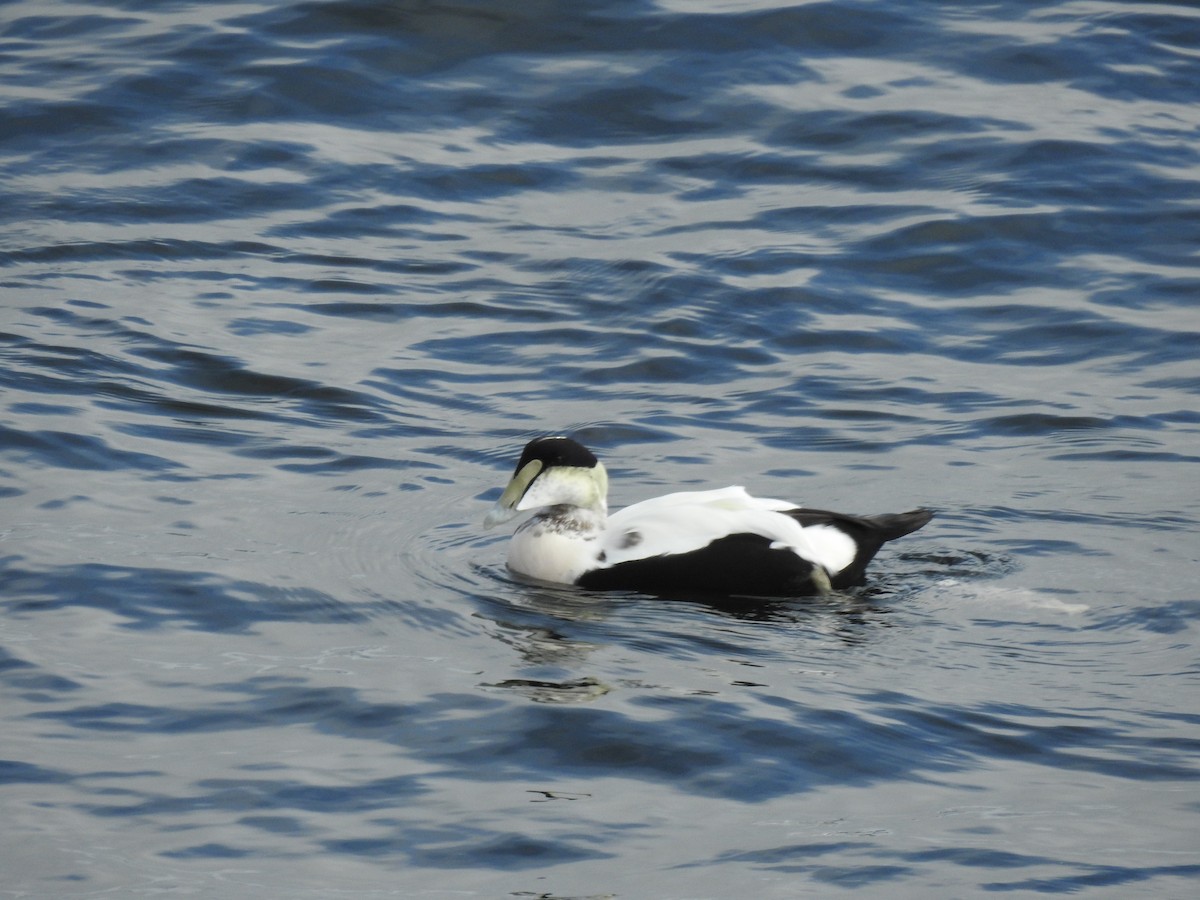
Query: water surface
{"x": 285, "y": 287}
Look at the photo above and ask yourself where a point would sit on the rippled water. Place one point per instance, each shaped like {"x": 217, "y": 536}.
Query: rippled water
{"x": 285, "y": 286}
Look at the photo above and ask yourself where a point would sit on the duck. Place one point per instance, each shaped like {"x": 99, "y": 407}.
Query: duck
{"x": 721, "y": 542}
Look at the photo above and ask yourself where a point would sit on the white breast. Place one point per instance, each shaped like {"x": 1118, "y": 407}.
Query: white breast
{"x": 554, "y": 549}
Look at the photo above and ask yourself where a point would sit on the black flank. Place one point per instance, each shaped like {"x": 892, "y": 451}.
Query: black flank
{"x": 740, "y": 564}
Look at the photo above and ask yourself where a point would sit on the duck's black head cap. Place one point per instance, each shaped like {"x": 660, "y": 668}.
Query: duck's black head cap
{"x": 557, "y": 451}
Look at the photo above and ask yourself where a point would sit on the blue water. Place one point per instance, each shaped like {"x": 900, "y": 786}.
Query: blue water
{"x": 284, "y": 287}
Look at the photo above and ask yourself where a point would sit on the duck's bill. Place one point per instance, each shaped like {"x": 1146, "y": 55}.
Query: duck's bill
{"x": 498, "y": 515}
{"x": 507, "y": 506}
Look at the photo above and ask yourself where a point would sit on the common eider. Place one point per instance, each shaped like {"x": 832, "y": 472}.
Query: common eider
{"x": 718, "y": 542}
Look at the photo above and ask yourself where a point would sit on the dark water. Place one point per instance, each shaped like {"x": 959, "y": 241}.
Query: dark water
{"x": 285, "y": 286}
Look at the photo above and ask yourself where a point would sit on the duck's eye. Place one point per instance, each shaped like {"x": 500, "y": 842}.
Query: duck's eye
{"x": 630, "y": 539}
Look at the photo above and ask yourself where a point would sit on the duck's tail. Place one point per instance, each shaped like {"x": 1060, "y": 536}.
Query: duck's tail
{"x": 890, "y": 526}
{"x": 869, "y": 533}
